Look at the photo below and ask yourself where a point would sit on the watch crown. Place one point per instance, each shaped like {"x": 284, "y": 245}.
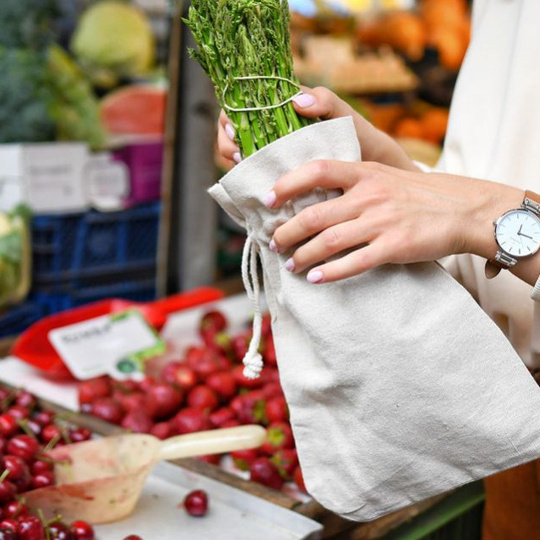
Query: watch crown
{"x": 494, "y": 222}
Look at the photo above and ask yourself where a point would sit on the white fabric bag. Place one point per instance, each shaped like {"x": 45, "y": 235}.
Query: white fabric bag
{"x": 399, "y": 386}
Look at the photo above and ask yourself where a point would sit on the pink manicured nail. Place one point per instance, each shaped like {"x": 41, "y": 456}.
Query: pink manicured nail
{"x": 304, "y": 100}
{"x": 270, "y": 199}
{"x": 273, "y": 246}
{"x": 289, "y": 265}
{"x": 314, "y": 276}
{"x": 229, "y": 130}
{"x": 237, "y": 157}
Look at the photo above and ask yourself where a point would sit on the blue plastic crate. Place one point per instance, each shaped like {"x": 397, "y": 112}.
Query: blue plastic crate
{"x": 69, "y": 249}
{"x": 138, "y": 291}
{"x": 15, "y": 320}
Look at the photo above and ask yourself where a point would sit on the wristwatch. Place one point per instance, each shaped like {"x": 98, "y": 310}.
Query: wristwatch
{"x": 517, "y": 233}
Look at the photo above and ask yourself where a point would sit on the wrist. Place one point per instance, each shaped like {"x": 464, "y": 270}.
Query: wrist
{"x": 491, "y": 204}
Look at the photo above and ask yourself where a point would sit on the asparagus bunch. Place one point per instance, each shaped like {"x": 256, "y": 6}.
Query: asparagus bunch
{"x": 248, "y": 38}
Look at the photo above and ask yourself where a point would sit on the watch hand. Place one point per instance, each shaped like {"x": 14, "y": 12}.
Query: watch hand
{"x": 529, "y": 237}
{"x": 520, "y": 227}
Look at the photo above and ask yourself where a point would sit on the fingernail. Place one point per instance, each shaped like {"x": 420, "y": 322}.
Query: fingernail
{"x": 237, "y": 157}
{"x": 273, "y": 246}
{"x": 270, "y": 199}
{"x": 314, "y": 276}
{"x": 229, "y": 130}
{"x": 304, "y": 100}
{"x": 289, "y": 265}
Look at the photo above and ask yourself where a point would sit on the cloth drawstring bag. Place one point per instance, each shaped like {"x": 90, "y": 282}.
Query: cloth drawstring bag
{"x": 399, "y": 386}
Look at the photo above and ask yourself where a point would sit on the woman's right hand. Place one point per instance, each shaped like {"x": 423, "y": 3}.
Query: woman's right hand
{"x": 321, "y": 103}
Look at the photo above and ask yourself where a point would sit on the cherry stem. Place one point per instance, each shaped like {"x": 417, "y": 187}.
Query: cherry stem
{"x": 53, "y": 442}
{"x": 4, "y": 475}
{"x": 23, "y": 424}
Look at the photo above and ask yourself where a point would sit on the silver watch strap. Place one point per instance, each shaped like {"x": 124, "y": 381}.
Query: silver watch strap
{"x": 505, "y": 260}
{"x": 531, "y": 206}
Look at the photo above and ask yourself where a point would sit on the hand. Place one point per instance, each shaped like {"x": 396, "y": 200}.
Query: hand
{"x": 385, "y": 215}
{"x": 322, "y": 103}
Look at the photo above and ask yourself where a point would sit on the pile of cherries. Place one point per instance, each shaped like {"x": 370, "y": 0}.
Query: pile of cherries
{"x": 204, "y": 388}
{"x": 26, "y": 434}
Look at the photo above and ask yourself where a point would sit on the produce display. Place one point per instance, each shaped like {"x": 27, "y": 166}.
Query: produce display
{"x": 202, "y": 389}
{"x": 53, "y": 99}
{"x": 244, "y": 47}
{"x": 120, "y": 110}
{"x": 113, "y": 40}
{"x": 14, "y": 256}
{"x": 27, "y": 433}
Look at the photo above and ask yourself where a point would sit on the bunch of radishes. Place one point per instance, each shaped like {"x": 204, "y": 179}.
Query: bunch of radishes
{"x": 26, "y": 433}
{"x": 206, "y": 389}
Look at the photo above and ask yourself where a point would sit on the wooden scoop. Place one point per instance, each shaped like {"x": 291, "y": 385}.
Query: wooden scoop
{"x": 101, "y": 480}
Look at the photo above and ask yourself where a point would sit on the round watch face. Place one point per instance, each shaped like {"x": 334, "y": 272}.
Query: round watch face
{"x": 518, "y": 233}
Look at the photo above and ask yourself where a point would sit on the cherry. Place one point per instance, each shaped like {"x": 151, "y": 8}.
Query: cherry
{"x": 44, "y": 418}
{"x": 24, "y": 447}
{"x": 133, "y": 537}
{"x": 82, "y": 530}
{"x": 3, "y": 446}
{"x": 9, "y": 524}
{"x": 162, "y": 430}
{"x": 18, "y": 469}
{"x": 80, "y": 434}
{"x": 33, "y": 426}
{"x": 298, "y": 477}
{"x": 265, "y": 472}
{"x": 108, "y": 409}
{"x": 30, "y": 528}
{"x": 244, "y": 458}
{"x": 8, "y": 490}
{"x": 191, "y": 420}
{"x": 25, "y": 399}
{"x": 8, "y": 425}
{"x": 196, "y": 503}
{"x": 51, "y": 432}
{"x": 223, "y": 384}
{"x": 19, "y": 412}
{"x": 42, "y": 479}
{"x": 180, "y": 375}
{"x": 60, "y": 531}
{"x": 41, "y": 465}
{"x": 163, "y": 400}
{"x": 212, "y": 321}
{"x": 7, "y": 534}
{"x": 94, "y": 389}
{"x": 202, "y": 397}
{"x": 137, "y": 421}
{"x": 15, "y": 509}
{"x": 219, "y": 417}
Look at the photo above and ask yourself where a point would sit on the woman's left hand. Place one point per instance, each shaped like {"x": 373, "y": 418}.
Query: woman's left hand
{"x": 385, "y": 215}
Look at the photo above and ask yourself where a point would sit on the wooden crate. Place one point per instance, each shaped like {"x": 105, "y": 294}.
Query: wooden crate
{"x": 335, "y": 527}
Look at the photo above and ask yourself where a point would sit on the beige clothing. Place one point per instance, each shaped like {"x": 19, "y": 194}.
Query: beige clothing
{"x": 494, "y": 134}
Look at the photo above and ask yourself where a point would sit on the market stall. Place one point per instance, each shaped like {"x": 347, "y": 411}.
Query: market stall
{"x": 124, "y": 304}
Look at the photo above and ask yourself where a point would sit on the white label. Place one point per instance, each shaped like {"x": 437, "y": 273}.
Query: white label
{"x": 112, "y": 344}
{"x": 53, "y": 174}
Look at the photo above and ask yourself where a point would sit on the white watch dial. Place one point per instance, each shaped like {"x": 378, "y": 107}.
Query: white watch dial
{"x": 518, "y": 233}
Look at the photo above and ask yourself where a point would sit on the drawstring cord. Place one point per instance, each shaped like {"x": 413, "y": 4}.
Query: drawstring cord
{"x": 252, "y": 361}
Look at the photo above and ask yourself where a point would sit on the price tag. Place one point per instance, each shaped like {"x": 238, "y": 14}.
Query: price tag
{"x": 115, "y": 345}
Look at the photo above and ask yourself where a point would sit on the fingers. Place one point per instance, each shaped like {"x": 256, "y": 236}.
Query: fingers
{"x": 323, "y": 174}
{"x": 227, "y": 146}
{"x": 320, "y": 103}
{"x": 330, "y": 242}
{"x": 357, "y": 262}
{"x": 313, "y": 220}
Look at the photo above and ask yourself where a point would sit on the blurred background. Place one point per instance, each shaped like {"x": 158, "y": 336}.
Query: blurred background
{"x": 107, "y": 136}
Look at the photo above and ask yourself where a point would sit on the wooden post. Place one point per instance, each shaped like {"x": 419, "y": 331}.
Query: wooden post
{"x": 188, "y": 225}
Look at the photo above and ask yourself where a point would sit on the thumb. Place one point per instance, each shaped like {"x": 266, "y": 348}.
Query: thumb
{"x": 320, "y": 103}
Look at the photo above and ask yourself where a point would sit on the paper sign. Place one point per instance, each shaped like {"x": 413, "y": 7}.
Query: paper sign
{"x": 116, "y": 345}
